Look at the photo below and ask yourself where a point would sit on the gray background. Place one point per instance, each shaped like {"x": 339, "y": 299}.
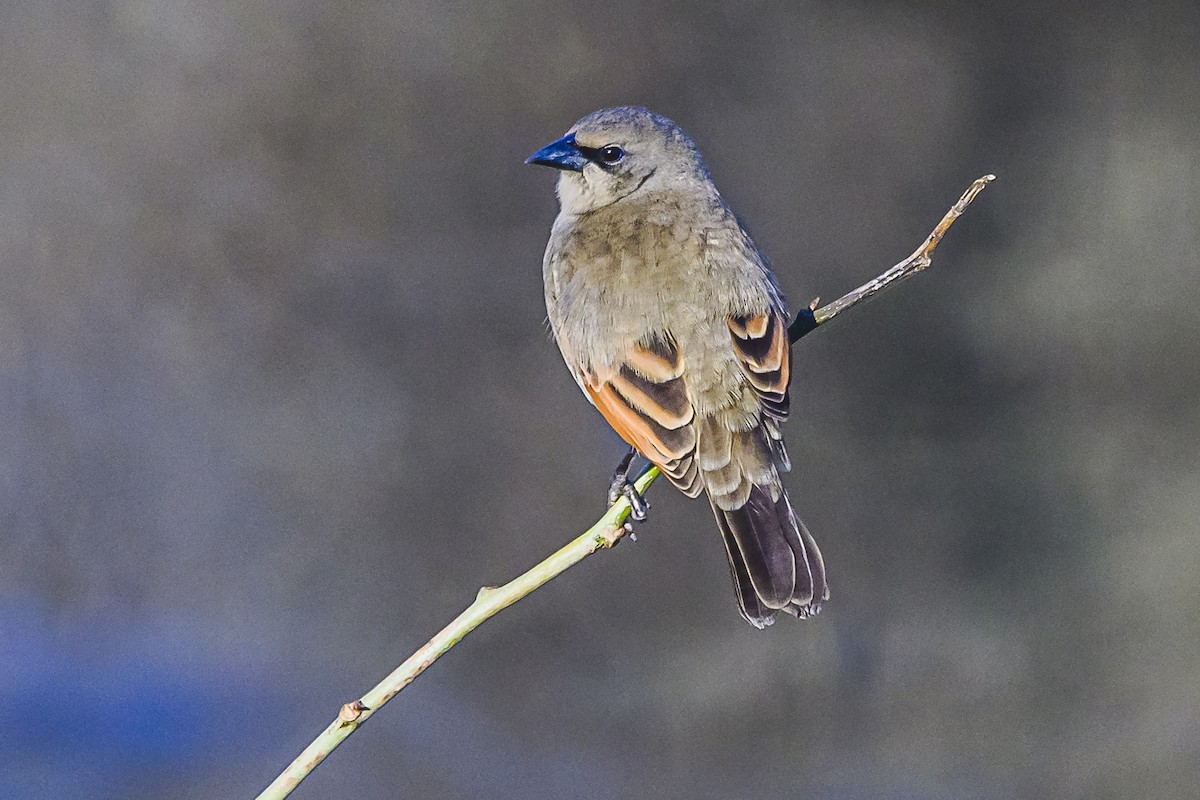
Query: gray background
{"x": 277, "y": 398}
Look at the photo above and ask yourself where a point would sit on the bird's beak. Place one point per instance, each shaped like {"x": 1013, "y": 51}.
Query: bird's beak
{"x": 561, "y": 154}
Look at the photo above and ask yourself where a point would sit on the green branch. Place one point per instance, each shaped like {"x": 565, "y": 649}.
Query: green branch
{"x": 604, "y": 534}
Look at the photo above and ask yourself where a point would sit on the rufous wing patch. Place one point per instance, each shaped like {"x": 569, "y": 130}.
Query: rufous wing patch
{"x": 657, "y": 359}
{"x": 645, "y": 401}
{"x": 761, "y": 344}
{"x": 666, "y": 402}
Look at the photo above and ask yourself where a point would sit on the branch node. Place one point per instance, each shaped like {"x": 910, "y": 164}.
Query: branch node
{"x": 483, "y": 592}
{"x": 608, "y": 538}
{"x": 350, "y": 712}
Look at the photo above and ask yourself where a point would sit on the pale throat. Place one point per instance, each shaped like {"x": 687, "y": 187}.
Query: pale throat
{"x": 579, "y": 192}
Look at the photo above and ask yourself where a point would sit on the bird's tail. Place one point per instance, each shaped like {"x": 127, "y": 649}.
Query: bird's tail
{"x": 773, "y": 559}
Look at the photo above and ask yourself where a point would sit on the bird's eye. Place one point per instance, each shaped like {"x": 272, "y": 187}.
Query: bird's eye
{"x": 611, "y": 154}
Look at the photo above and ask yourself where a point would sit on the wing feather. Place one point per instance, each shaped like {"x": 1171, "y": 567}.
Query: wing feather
{"x": 645, "y": 400}
{"x": 761, "y": 344}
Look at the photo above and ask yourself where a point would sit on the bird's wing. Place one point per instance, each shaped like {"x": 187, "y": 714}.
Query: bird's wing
{"x": 645, "y": 400}
{"x": 760, "y": 342}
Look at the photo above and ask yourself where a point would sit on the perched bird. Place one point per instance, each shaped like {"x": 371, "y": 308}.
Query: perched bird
{"x": 673, "y": 325}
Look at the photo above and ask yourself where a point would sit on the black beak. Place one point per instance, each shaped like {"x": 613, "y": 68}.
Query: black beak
{"x": 561, "y": 154}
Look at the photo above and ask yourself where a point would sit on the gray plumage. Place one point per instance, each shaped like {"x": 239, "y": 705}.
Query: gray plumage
{"x": 673, "y": 325}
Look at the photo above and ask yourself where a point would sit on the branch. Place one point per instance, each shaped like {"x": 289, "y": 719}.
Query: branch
{"x": 489, "y": 602}
{"x": 808, "y": 319}
{"x": 604, "y": 534}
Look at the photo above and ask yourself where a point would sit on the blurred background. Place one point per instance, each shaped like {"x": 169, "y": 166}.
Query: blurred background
{"x": 277, "y": 398}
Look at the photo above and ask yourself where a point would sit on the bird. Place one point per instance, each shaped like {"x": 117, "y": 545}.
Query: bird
{"x": 672, "y": 323}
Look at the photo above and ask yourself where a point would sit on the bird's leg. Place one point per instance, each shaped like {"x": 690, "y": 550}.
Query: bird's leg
{"x": 620, "y": 476}
{"x": 621, "y": 486}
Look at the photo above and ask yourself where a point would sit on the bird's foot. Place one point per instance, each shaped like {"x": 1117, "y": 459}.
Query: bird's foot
{"x": 621, "y": 486}
{"x": 639, "y": 507}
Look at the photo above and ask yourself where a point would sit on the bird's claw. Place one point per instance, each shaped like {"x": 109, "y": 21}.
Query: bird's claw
{"x": 639, "y": 507}
{"x": 620, "y": 486}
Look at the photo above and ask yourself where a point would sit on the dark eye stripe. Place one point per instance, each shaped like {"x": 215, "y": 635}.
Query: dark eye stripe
{"x": 605, "y": 156}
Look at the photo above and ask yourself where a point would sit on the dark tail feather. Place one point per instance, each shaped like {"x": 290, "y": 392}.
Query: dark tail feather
{"x": 774, "y": 562}
{"x": 816, "y": 565}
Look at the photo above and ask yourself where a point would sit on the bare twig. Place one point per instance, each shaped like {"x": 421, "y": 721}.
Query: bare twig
{"x": 605, "y": 533}
{"x": 921, "y": 258}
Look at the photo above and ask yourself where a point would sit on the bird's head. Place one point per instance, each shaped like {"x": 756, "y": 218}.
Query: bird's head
{"x": 612, "y": 153}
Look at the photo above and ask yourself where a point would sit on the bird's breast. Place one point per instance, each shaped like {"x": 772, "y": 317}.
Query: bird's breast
{"x": 614, "y": 281}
